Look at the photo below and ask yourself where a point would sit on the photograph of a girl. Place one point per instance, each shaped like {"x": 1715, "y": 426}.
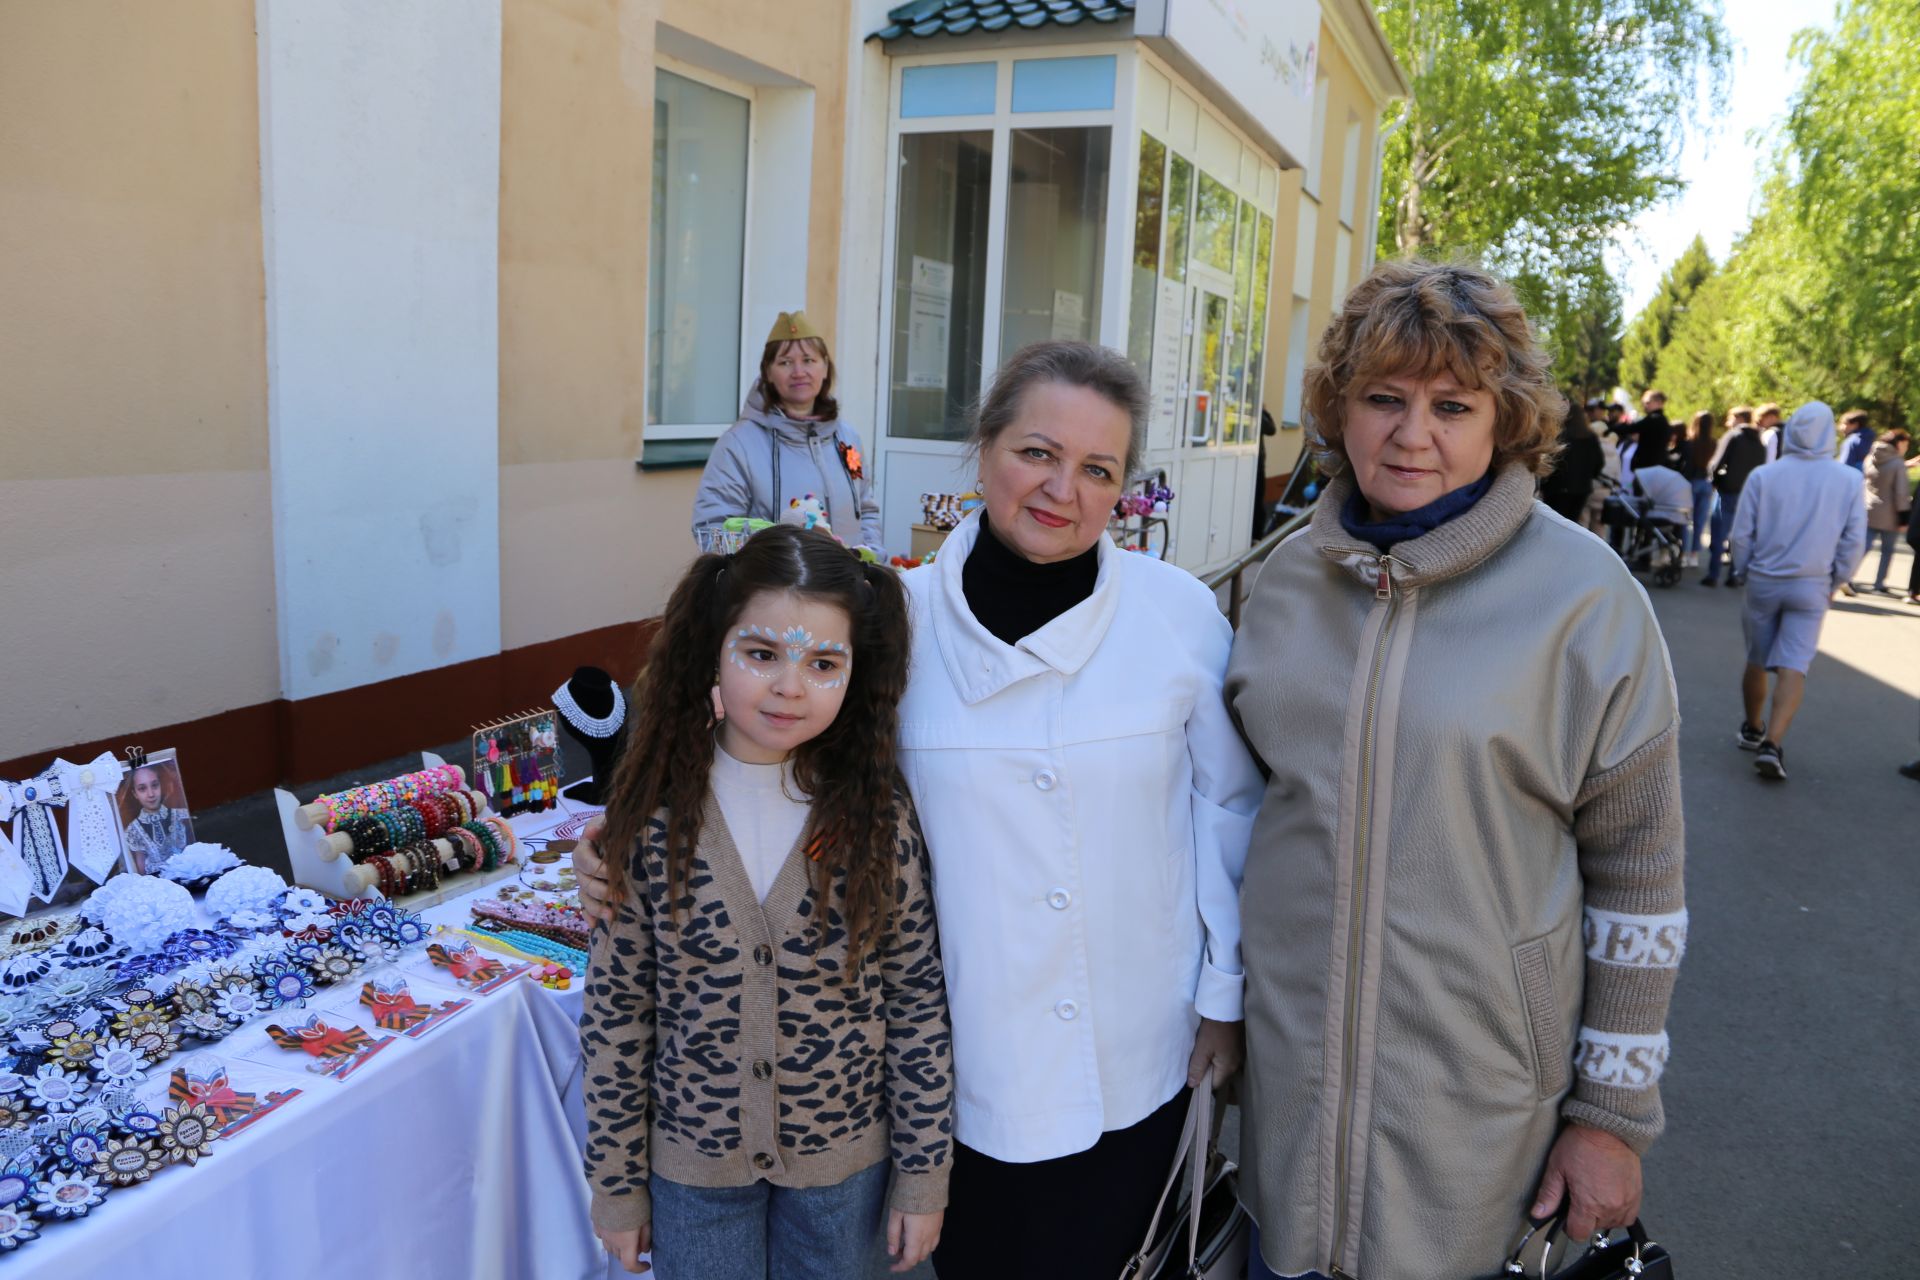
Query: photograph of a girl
{"x": 153, "y": 804}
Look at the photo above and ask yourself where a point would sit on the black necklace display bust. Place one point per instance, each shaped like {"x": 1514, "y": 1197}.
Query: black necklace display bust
{"x": 594, "y": 711}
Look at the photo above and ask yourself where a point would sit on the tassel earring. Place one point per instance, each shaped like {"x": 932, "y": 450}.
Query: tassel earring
{"x": 719, "y": 707}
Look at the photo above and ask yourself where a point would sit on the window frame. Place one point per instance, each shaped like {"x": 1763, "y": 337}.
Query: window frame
{"x": 749, "y": 349}
{"x": 1110, "y": 323}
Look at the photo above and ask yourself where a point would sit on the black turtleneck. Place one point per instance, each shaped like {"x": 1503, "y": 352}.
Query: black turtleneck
{"x": 1012, "y": 596}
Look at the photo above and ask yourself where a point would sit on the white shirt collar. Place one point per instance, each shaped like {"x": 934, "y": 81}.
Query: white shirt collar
{"x": 978, "y": 662}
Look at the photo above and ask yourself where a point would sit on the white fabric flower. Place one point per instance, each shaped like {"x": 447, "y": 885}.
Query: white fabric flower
{"x": 301, "y": 901}
{"x": 201, "y": 859}
{"x": 244, "y": 889}
{"x": 301, "y": 923}
{"x": 141, "y": 911}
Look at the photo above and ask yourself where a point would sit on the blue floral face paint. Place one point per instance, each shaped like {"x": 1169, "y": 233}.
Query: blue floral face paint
{"x": 762, "y": 651}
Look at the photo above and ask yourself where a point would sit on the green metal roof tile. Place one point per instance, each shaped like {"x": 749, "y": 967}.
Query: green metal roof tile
{"x": 925, "y": 19}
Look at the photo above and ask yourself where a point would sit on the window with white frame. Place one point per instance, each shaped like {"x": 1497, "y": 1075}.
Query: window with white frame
{"x": 1230, "y": 251}
{"x": 1001, "y": 188}
{"x": 697, "y": 273}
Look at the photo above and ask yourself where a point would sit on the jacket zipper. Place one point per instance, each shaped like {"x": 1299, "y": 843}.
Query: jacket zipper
{"x": 1356, "y": 921}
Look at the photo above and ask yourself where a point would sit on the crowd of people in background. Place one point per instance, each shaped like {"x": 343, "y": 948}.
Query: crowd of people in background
{"x": 1801, "y": 530}
{"x": 1604, "y": 450}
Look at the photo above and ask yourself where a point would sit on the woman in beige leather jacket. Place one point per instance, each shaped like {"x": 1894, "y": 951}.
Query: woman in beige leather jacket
{"x": 1462, "y": 912}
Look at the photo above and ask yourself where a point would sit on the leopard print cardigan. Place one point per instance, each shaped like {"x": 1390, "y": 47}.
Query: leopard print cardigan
{"x": 723, "y": 1044}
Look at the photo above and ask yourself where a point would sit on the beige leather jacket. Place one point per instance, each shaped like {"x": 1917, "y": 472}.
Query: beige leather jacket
{"x": 1462, "y": 911}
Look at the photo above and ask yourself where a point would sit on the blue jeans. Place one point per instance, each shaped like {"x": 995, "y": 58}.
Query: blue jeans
{"x": 1724, "y": 505}
{"x": 764, "y": 1232}
{"x": 1702, "y": 512}
{"x": 1888, "y": 540}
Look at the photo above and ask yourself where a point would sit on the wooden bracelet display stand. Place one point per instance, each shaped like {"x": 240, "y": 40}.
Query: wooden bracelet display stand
{"x": 318, "y": 862}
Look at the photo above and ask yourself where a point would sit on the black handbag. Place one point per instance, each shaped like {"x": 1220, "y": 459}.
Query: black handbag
{"x": 1629, "y": 1257}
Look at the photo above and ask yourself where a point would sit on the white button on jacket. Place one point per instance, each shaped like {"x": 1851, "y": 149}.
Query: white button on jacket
{"x": 1087, "y": 805}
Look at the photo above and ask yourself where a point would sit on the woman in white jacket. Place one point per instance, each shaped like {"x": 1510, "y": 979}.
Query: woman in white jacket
{"x": 1087, "y": 804}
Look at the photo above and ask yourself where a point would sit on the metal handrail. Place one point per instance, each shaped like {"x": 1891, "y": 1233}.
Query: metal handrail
{"x": 1231, "y": 573}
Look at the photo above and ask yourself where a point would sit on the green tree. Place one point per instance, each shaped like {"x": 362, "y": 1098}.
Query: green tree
{"x": 1851, "y": 192}
{"x": 1538, "y": 128}
{"x": 1820, "y": 299}
{"x": 1695, "y": 366}
{"x": 1586, "y": 336}
{"x": 1647, "y": 337}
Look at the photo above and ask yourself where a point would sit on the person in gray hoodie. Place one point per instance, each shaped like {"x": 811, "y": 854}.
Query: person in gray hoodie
{"x": 1800, "y": 531}
{"x": 790, "y": 442}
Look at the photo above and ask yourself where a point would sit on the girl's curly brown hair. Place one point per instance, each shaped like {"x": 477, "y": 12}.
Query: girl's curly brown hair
{"x": 1421, "y": 318}
{"x": 850, "y": 772}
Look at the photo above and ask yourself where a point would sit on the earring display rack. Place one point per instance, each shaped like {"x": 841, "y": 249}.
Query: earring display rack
{"x": 516, "y": 761}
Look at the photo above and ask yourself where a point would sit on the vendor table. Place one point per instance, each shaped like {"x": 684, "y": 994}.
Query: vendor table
{"x": 456, "y": 1156}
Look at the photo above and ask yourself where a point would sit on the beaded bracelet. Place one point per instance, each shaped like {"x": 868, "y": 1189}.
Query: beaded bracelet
{"x": 510, "y": 851}
{"x": 361, "y": 801}
{"x": 489, "y": 844}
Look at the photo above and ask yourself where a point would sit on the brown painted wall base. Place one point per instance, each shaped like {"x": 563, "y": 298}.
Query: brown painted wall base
{"x": 248, "y": 749}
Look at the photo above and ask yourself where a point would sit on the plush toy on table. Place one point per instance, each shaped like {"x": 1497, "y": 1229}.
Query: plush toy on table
{"x": 808, "y": 512}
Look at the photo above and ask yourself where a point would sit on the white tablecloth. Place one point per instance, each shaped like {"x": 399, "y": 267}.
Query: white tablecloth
{"x": 453, "y": 1157}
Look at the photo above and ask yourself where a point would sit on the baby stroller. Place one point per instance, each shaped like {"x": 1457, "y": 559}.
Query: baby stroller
{"x": 1648, "y": 543}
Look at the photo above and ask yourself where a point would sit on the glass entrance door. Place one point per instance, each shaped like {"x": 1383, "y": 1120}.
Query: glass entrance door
{"x": 1209, "y": 349}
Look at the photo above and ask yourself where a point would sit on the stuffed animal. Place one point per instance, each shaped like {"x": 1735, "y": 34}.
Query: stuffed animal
{"x": 808, "y": 512}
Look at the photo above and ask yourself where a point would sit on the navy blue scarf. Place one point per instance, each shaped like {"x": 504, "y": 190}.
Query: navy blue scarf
{"x": 1405, "y": 527}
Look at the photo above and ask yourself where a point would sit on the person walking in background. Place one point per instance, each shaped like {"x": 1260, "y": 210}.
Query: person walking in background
{"x": 1577, "y": 467}
{"x": 1734, "y": 459}
{"x": 1653, "y": 433}
{"x": 1859, "y": 440}
{"x": 1691, "y": 456}
{"x": 1604, "y": 420}
{"x": 1768, "y": 420}
{"x": 1800, "y": 531}
{"x": 1913, "y": 566}
{"x": 1889, "y": 500}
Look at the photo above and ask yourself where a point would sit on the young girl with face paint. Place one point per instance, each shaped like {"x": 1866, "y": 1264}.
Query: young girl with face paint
{"x": 768, "y": 1053}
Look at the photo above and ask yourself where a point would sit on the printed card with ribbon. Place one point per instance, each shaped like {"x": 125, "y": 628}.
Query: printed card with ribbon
{"x": 394, "y": 1006}
{"x": 337, "y": 1052}
{"x": 478, "y": 971}
{"x": 235, "y": 1105}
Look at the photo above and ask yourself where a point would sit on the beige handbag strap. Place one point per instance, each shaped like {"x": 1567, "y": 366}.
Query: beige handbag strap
{"x": 1196, "y": 1142}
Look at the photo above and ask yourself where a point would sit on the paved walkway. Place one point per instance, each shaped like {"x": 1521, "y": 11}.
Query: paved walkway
{"x": 1792, "y": 1114}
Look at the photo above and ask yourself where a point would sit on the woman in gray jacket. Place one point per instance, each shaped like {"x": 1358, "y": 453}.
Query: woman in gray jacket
{"x": 1462, "y": 911}
{"x": 789, "y": 443}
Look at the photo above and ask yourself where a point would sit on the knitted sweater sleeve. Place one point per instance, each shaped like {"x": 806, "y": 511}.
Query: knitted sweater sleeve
{"x": 617, "y": 1041}
{"x": 919, "y": 1052}
{"x": 1631, "y": 838}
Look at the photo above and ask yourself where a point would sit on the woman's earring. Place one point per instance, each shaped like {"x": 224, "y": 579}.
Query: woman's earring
{"x": 719, "y": 707}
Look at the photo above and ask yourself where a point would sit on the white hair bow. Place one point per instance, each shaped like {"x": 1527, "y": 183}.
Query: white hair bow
{"x": 35, "y": 834}
{"x": 93, "y": 821}
{"x": 15, "y": 884}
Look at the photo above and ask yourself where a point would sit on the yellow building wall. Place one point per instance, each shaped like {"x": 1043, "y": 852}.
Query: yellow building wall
{"x": 587, "y": 540}
{"x": 1347, "y": 96}
{"x": 136, "y": 536}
